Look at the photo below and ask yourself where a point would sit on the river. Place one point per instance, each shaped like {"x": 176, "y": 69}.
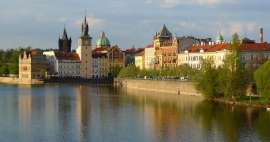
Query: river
{"x": 100, "y": 113}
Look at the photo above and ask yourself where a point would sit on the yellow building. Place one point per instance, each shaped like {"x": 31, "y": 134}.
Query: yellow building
{"x": 167, "y": 47}
{"x": 32, "y": 65}
{"x": 139, "y": 60}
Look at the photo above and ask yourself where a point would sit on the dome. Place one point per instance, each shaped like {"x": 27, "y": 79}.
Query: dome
{"x": 219, "y": 38}
{"x": 103, "y": 41}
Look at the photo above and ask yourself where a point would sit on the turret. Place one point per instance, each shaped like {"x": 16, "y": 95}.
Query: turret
{"x": 261, "y": 35}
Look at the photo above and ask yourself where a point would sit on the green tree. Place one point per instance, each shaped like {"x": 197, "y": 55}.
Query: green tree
{"x": 130, "y": 71}
{"x": 262, "y": 79}
{"x": 233, "y": 73}
{"x": 4, "y": 70}
{"x": 206, "y": 80}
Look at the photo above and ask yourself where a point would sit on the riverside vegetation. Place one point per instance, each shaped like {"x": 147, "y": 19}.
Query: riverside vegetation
{"x": 228, "y": 82}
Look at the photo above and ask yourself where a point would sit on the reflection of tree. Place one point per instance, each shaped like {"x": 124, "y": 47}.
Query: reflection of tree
{"x": 226, "y": 118}
{"x": 262, "y": 126}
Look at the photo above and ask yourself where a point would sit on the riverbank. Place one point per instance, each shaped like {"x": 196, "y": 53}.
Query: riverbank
{"x": 175, "y": 87}
{"x": 252, "y": 103}
{"x": 16, "y": 80}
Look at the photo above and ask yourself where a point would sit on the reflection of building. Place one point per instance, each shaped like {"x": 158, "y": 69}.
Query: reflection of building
{"x": 82, "y": 111}
{"x": 168, "y": 46}
{"x": 139, "y": 60}
{"x": 25, "y": 112}
{"x": 32, "y": 65}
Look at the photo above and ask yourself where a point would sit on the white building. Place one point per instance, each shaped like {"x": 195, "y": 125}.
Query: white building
{"x": 63, "y": 64}
{"x": 251, "y": 55}
{"x": 149, "y": 57}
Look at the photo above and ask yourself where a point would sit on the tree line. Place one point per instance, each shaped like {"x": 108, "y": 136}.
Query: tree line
{"x": 9, "y": 60}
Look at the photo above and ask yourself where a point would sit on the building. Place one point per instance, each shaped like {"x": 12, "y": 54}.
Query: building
{"x": 252, "y": 55}
{"x": 100, "y": 63}
{"x": 84, "y": 51}
{"x": 32, "y": 65}
{"x": 106, "y": 58}
{"x": 63, "y": 64}
{"x": 116, "y": 57}
{"x": 149, "y": 57}
{"x": 168, "y": 46}
{"x": 64, "y": 42}
{"x": 100, "y": 57}
{"x": 130, "y": 55}
{"x": 139, "y": 60}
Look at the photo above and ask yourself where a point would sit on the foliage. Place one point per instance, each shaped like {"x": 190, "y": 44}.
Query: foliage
{"x": 130, "y": 71}
{"x": 167, "y": 73}
{"x": 262, "y": 79}
{"x": 234, "y": 75}
{"x": 9, "y": 60}
{"x": 115, "y": 71}
{"x": 207, "y": 81}
{"x": 230, "y": 80}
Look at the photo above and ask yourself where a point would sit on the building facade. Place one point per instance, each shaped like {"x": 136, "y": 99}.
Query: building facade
{"x": 139, "y": 60}
{"x": 251, "y": 55}
{"x": 62, "y": 64}
{"x": 149, "y": 57}
{"x": 168, "y": 46}
{"x": 32, "y": 65}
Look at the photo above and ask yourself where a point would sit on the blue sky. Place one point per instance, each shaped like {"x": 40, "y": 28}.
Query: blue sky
{"x": 38, "y": 23}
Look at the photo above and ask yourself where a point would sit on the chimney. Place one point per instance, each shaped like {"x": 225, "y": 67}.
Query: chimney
{"x": 261, "y": 35}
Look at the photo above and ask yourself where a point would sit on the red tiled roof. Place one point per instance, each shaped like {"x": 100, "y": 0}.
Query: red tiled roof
{"x": 219, "y": 47}
{"x": 67, "y": 56}
{"x": 99, "y": 52}
{"x": 149, "y": 46}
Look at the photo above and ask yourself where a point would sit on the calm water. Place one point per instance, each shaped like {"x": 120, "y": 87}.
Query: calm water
{"x": 89, "y": 113}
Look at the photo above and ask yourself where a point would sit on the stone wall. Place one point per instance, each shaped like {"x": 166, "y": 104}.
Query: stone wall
{"x": 162, "y": 86}
{"x": 15, "y": 80}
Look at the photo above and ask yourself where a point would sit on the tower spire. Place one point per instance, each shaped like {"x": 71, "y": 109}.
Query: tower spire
{"x": 85, "y": 27}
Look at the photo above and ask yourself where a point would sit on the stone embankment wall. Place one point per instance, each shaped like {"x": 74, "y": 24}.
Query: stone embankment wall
{"x": 162, "y": 86}
{"x": 15, "y": 80}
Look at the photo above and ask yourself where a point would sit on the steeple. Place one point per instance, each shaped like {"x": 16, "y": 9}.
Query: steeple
{"x": 165, "y": 32}
{"x": 64, "y": 43}
{"x": 85, "y": 28}
{"x": 64, "y": 35}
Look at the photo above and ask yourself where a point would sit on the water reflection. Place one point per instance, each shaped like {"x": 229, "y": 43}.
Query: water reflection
{"x": 80, "y": 113}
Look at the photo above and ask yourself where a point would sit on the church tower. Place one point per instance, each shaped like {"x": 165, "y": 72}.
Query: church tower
{"x": 84, "y": 51}
{"x": 64, "y": 43}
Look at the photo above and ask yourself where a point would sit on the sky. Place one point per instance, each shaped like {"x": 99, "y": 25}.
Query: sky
{"x": 38, "y": 23}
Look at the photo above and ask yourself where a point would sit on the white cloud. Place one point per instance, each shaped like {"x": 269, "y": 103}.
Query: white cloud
{"x": 94, "y": 22}
{"x": 227, "y": 29}
{"x": 174, "y": 3}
